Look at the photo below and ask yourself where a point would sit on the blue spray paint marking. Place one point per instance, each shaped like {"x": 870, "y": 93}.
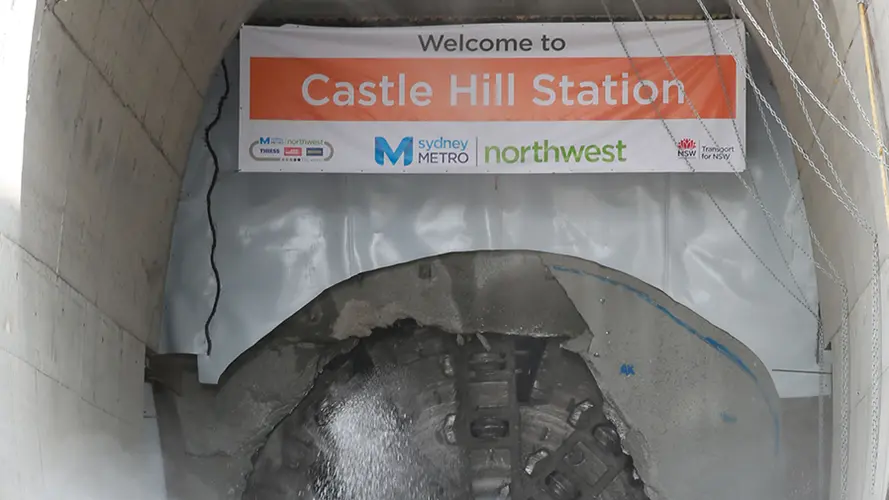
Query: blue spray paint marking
{"x": 728, "y": 417}
{"x": 715, "y": 344}
{"x": 627, "y": 370}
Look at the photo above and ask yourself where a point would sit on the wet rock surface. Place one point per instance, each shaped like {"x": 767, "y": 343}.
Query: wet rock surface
{"x": 420, "y": 414}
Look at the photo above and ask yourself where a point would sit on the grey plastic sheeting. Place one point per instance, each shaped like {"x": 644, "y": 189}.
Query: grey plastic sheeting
{"x": 285, "y": 238}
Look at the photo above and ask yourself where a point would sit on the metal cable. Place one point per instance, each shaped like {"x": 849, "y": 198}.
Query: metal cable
{"x": 854, "y": 211}
{"x": 737, "y": 173}
{"x": 822, "y": 459}
{"x": 876, "y": 362}
{"x": 876, "y": 313}
{"x": 845, "y": 405}
{"x": 761, "y": 100}
{"x": 839, "y": 65}
{"x": 815, "y": 135}
{"x": 875, "y": 306}
{"x": 833, "y": 274}
{"x": 213, "y": 179}
{"x": 847, "y": 202}
{"x": 811, "y": 125}
{"x": 798, "y": 203}
{"x": 770, "y": 220}
{"x": 805, "y": 87}
{"x": 876, "y": 347}
{"x": 850, "y": 206}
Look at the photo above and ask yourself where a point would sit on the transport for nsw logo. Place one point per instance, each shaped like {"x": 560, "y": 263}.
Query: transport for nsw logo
{"x": 687, "y": 148}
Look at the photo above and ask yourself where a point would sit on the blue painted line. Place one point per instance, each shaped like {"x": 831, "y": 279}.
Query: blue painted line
{"x": 715, "y": 344}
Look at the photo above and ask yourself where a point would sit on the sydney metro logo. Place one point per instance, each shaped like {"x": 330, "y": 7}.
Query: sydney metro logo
{"x": 686, "y": 148}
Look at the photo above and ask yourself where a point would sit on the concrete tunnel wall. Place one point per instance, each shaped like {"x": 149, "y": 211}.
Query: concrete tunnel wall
{"x": 113, "y": 92}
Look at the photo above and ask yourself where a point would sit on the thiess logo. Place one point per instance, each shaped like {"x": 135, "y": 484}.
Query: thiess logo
{"x": 546, "y": 152}
{"x": 280, "y": 149}
{"x": 429, "y": 151}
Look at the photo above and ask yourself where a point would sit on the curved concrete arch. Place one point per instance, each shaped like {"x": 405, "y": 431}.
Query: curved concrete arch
{"x": 105, "y": 94}
{"x": 681, "y": 391}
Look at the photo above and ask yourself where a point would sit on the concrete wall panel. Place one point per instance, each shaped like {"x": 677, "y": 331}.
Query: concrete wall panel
{"x": 82, "y": 254}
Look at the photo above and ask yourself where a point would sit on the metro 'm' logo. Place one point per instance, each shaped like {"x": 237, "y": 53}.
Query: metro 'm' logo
{"x": 383, "y": 150}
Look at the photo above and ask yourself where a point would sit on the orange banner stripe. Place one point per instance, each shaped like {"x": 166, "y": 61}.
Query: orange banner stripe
{"x": 505, "y": 89}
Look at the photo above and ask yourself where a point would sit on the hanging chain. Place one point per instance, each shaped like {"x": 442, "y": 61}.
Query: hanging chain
{"x": 805, "y": 87}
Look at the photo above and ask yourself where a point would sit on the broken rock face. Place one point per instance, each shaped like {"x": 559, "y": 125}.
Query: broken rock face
{"x": 414, "y": 414}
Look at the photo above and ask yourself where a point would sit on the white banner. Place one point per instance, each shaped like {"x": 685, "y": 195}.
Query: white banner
{"x": 505, "y": 98}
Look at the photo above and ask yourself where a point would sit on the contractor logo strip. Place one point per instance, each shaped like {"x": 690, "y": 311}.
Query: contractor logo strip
{"x": 278, "y": 149}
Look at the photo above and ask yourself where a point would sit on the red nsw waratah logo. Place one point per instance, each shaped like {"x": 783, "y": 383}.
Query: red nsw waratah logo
{"x": 686, "y": 148}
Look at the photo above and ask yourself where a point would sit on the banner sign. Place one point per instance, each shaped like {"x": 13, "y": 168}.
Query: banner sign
{"x": 504, "y": 98}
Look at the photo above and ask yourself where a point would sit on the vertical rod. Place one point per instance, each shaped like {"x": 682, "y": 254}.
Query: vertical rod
{"x": 875, "y": 116}
{"x": 874, "y": 108}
